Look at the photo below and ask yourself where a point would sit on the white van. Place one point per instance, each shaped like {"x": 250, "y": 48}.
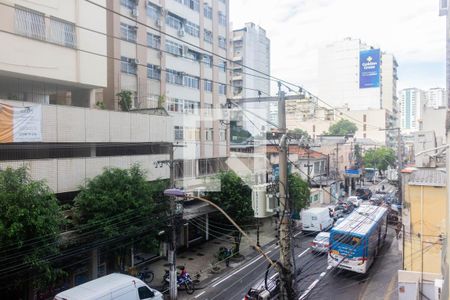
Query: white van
{"x": 113, "y": 286}
{"x": 316, "y": 219}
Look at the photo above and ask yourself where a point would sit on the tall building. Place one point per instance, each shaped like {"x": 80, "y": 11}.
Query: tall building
{"x": 435, "y": 98}
{"x": 359, "y": 75}
{"x": 251, "y": 47}
{"x": 412, "y": 103}
{"x": 173, "y": 54}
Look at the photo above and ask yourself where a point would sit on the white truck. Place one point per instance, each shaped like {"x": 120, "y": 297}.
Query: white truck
{"x": 111, "y": 287}
{"x": 316, "y": 219}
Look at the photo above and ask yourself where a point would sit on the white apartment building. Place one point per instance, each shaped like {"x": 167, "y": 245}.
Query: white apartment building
{"x": 251, "y": 47}
{"x": 52, "y": 64}
{"x": 173, "y": 54}
{"x": 343, "y": 81}
{"x": 412, "y": 103}
{"x": 435, "y": 98}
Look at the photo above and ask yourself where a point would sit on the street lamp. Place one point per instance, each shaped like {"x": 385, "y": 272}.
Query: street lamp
{"x": 180, "y": 193}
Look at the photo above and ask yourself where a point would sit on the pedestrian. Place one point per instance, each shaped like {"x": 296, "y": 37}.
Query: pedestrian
{"x": 398, "y": 229}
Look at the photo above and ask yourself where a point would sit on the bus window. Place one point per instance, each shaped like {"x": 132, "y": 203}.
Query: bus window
{"x": 346, "y": 239}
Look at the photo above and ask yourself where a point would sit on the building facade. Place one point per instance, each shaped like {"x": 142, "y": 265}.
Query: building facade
{"x": 251, "y": 47}
{"x": 341, "y": 77}
{"x": 174, "y": 54}
{"x": 412, "y": 103}
{"x": 435, "y": 98}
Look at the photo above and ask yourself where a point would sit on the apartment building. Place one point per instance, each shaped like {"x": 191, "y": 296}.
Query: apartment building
{"x": 251, "y": 47}
{"x": 173, "y": 54}
{"x": 436, "y": 98}
{"x": 412, "y": 103}
{"x": 52, "y": 70}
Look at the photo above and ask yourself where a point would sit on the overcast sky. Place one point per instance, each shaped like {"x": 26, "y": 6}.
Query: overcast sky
{"x": 410, "y": 29}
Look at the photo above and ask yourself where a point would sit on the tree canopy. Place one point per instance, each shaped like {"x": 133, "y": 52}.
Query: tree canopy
{"x": 30, "y": 224}
{"x": 298, "y": 133}
{"x": 120, "y": 204}
{"x": 235, "y": 198}
{"x": 379, "y": 158}
{"x": 342, "y": 127}
{"x": 299, "y": 192}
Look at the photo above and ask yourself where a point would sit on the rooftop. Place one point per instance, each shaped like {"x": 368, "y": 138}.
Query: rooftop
{"x": 428, "y": 177}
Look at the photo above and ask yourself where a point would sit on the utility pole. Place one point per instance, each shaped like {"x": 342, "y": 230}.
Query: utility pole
{"x": 173, "y": 289}
{"x": 309, "y": 167}
{"x": 399, "y": 159}
{"x": 285, "y": 271}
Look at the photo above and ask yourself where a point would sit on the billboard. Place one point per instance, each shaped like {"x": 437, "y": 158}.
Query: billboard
{"x": 369, "y": 68}
{"x": 20, "y": 124}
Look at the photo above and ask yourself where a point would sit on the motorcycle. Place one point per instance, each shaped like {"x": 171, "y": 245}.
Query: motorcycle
{"x": 183, "y": 280}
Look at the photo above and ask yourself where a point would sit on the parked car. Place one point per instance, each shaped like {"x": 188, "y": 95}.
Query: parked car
{"x": 260, "y": 292}
{"x": 321, "y": 242}
{"x": 316, "y": 219}
{"x": 355, "y": 200}
{"x": 363, "y": 193}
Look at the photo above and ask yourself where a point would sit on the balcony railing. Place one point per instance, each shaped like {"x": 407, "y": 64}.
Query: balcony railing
{"x": 35, "y": 25}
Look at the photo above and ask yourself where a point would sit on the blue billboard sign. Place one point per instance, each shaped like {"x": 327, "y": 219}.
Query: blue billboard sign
{"x": 369, "y": 68}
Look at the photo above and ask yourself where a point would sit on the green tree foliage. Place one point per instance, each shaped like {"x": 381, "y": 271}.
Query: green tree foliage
{"x": 125, "y": 100}
{"x": 299, "y": 192}
{"x": 30, "y": 223}
{"x": 298, "y": 133}
{"x": 358, "y": 156}
{"x": 379, "y": 158}
{"x": 121, "y": 205}
{"x": 238, "y": 134}
{"x": 342, "y": 127}
{"x": 235, "y": 198}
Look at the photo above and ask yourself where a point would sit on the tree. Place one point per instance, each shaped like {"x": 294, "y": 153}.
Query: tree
{"x": 125, "y": 100}
{"x": 379, "y": 158}
{"x": 235, "y": 198}
{"x": 298, "y": 191}
{"x": 358, "y": 156}
{"x": 30, "y": 224}
{"x": 342, "y": 127}
{"x": 120, "y": 204}
{"x": 298, "y": 133}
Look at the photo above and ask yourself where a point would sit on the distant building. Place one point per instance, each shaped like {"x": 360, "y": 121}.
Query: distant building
{"x": 251, "y": 47}
{"x": 412, "y": 103}
{"x": 435, "y": 98}
{"x": 350, "y": 73}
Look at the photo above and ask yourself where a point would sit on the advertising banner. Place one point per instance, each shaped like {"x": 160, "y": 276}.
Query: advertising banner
{"x": 20, "y": 124}
{"x": 369, "y": 68}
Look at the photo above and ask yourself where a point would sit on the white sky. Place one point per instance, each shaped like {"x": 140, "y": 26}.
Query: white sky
{"x": 410, "y": 29}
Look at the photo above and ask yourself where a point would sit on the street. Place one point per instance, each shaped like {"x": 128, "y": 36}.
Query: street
{"x": 379, "y": 283}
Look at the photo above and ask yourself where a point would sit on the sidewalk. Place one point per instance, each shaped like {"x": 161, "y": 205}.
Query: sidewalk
{"x": 200, "y": 259}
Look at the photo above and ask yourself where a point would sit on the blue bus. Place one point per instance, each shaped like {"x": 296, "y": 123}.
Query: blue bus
{"x": 357, "y": 240}
{"x": 370, "y": 174}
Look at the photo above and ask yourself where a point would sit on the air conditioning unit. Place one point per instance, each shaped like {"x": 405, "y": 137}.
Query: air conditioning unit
{"x": 135, "y": 61}
{"x": 158, "y": 23}
{"x": 181, "y": 33}
{"x": 135, "y": 12}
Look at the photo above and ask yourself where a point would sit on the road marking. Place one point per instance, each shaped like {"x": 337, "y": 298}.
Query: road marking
{"x": 273, "y": 276}
{"x": 295, "y": 235}
{"x": 237, "y": 271}
{"x": 314, "y": 283}
{"x": 303, "y": 252}
{"x": 200, "y": 294}
{"x": 329, "y": 267}
{"x": 323, "y": 274}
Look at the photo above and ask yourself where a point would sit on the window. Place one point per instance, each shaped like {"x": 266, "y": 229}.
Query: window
{"x": 222, "y": 19}
{"x": 222, "y": 42}
{"x": 145, "y": 293}
{"x": 131, "y": 4}
{"x": 364, "y": 118}
{"x": 191, "y": 54}
{"x": 153, "y": 11}
{"x": 174, "y": 105}
{"x": 222, "y": 134}
{"x": 346, "y": 239}
{"x": 208, "y": 86}
{"x": 153, "y": 72}
{"x": 364, "y": 127}
{"x": 191, "y": 107}
{"x": 209, "y": 134}
{"x": 316, "y": 167}
{"x": 174, "y": 77}
{"x": 222, "y": 88}
{"x": 208, "y": 109}
{"x": 223, "y": 65}
{"x": 62, "y": 33}
{"x": 208, "y": 36}
{"x": 128, "y": 65}
{"x": 192, "y": 4}
{"x": 313, "y": 218}
{"x": 174, "y": 22}
{"x": 153, "y": 41}
{"x": 191, "y": 81}
{"x": 207, "y": 11}
{"x": 179, "y": 134}
{"x": 128, "y": 32}
{"x": 207, "y": 60}
{"x": 192, "y": 29}
{"x": 30, "y": 23}
{"x": 174, "y": 48}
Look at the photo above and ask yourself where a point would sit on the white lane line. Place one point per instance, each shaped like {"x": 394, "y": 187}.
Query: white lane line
{"x": 303, "y": 253}
{"x": 200, "y": 294}
{"x": 295, "y": 235}
{"x": 312, "y": 285}
{"x": 323, "y": 274}
{"x": 273, "y": 276}
{"x": 329, "y": 267}
{"x": 237, "y": 271}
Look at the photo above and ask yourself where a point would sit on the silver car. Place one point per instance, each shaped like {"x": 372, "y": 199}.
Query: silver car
{"x": 321, "y": 242}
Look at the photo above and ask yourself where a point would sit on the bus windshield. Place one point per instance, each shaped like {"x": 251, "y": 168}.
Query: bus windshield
{"x": 346, "y": 239}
